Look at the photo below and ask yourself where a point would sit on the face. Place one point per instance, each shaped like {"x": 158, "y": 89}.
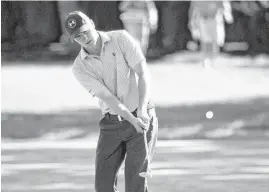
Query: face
{"x": 87, "y": 38}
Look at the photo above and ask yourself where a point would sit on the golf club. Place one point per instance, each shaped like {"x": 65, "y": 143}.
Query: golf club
{"x": 148, "y": 173}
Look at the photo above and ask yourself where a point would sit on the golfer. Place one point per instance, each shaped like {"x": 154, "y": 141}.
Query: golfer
{"x": 112, "y": 68}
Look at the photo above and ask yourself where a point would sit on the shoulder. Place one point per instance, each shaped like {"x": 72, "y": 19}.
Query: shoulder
{"x": 120, "y": 37}
{"x": 117, "y": 34}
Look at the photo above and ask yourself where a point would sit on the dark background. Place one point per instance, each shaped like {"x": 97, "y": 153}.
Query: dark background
{"x": 28, "y": 26}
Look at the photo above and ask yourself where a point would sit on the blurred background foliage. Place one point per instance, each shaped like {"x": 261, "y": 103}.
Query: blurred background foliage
{"x": 34, "y": 25}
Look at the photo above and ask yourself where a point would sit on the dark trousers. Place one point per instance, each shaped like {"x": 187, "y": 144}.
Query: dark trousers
{"x": 119, "y": 141}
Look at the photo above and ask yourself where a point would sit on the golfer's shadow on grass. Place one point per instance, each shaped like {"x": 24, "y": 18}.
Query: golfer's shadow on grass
{"x": 184, "y": 121}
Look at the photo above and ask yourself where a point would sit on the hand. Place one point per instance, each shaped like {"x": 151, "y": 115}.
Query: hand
{"x": 143, "y": 115}
{"x": 153, "y": 29}
{"x": 153, "y": 20}
{"x": 139, "y": 125}
{"x": 230, "y": 21}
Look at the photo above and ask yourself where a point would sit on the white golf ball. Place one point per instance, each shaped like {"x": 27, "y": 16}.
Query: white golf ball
{"x": 209, "y": 114}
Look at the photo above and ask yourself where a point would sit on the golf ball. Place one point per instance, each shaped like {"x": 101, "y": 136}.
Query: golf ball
{"x": 209, "y": 114}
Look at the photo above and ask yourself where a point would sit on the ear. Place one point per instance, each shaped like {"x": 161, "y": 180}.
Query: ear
{"x": 92, "y": 23}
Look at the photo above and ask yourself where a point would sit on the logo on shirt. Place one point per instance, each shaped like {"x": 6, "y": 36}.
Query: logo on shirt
{"x": 72, "y": 23}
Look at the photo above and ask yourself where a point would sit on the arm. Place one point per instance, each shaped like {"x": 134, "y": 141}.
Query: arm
{"x": 227, "y": 12}
{"x": 136, "y": 60}
{"x": 153, "y": 15}
{"x": 193, "y": 21}
{"x": 190, "y": 12}
{"x": 112, "y": 101}
{"x": 97, "y": 89}
{"x": 142, "y": 71}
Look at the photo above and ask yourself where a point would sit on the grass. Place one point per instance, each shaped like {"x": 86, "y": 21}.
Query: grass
{"x": 45, "y": 103}
{"x": 38, "y": 99}
{"x": 183, "y": 121}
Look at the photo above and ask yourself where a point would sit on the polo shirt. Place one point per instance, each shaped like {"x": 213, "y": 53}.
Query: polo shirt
{"x": 114, "y": 68}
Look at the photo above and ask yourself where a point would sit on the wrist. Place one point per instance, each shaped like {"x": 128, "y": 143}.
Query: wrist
{"x": 132, "y": 119}
{"x": 142, "y": 107}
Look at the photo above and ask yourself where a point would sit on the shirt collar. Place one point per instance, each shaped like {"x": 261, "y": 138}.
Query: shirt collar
{"x": 104, "y": 39}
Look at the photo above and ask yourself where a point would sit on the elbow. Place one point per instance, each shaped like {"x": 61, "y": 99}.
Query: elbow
{"x": 111, "y": 101}
{"x": 101, "y": 95}
{"x": 144, "y": 75}
{"x": 106, "y": 97}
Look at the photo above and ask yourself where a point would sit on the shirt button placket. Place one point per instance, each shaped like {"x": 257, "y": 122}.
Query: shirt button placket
{"x": 115, "y": 74}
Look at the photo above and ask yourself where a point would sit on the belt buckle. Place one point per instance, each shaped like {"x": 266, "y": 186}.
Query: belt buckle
{"x": 118, "y": 118}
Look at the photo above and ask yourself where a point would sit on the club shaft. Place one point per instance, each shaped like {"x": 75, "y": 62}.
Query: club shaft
{"x": 147, "y": 148}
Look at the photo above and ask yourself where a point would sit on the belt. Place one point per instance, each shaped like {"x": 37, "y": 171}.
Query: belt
{"x": 118, "y": 117}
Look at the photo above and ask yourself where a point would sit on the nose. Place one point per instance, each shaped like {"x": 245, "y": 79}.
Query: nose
{"x": 84, "y": 37}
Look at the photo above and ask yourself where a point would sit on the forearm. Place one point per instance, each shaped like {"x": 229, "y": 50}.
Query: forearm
{"x": 119, "y": 108}
{"x": 99, "y": 90}
{"x": 227, "y": 12}
{"x": 152, "y": 13}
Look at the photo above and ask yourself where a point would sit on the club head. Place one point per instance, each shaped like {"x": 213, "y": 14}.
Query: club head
{"x": 145, "y": 174}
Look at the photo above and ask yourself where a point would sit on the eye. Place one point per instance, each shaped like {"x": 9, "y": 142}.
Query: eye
{"x": 78, "y": 36}
{"x": 84, "y": 34}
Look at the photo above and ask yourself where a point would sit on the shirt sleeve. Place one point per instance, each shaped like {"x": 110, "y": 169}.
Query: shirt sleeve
{"x": 131, "y": 49}
{"x": 88, "y": 80}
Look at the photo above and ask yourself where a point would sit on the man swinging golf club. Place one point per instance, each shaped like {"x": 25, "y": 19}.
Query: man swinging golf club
{"x": 112, "y": 68}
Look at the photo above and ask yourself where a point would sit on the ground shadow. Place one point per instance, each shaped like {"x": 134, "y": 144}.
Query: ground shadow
{"x": 183, "y": 121}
